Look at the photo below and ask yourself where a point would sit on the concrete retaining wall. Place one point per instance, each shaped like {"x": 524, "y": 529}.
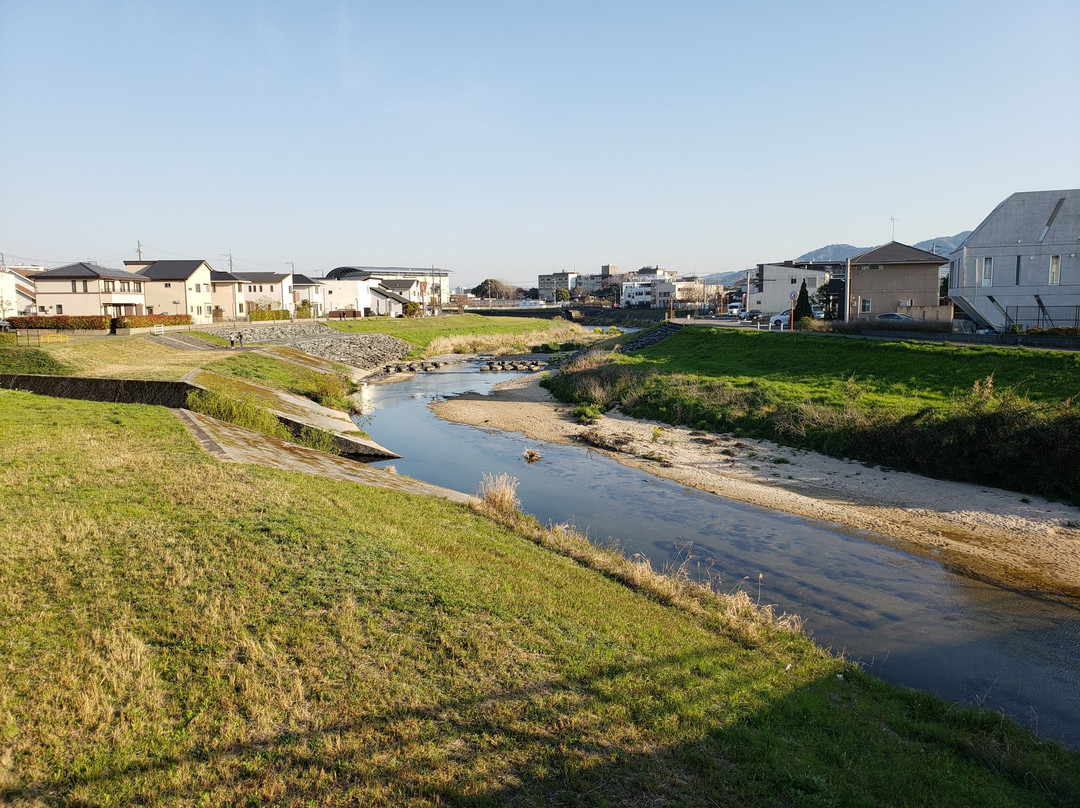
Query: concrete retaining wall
{"x": 119, "y": 391}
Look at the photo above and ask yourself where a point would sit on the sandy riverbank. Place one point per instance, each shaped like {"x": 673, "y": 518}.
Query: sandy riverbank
{"x": 985, "y": 532}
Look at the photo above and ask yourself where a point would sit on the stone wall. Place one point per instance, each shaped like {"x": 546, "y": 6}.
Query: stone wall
{"x": 119, "y": 391}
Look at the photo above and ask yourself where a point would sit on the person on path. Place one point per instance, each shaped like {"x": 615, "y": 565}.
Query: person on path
{"x": 232, "y": 339}
{"x": 240, "y": 336}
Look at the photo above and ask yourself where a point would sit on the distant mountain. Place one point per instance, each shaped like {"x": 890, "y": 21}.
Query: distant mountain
{"x": 942, "y": 245}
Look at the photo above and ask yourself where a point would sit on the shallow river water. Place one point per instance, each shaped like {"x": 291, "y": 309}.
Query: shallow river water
{"x": 907, "y": 619}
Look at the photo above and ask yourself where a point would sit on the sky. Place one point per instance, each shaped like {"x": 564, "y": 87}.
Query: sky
{"x": 509, "y": 139}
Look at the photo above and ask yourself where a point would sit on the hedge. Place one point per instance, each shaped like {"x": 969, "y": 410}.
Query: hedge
{"x": 147, "y": 320}
{"x": 63, "y": 322}
{"x": 276, "y": 314}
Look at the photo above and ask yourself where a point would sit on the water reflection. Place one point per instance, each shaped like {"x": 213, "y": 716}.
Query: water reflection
{"x": 906, "y": 618}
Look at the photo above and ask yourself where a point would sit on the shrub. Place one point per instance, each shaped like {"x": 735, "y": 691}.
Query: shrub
{"x": 63, "y": 322}
{"x": 587, "y": 413}
{"x": 262, "y": 315}
{"x": 148, "y": 320}
{"x": 241, "y": 411}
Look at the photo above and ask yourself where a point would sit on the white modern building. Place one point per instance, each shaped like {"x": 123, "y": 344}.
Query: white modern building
{"x": 268, "y": 290}
{"x": 771, "y": 285}
{"x": 1019, "y": 268}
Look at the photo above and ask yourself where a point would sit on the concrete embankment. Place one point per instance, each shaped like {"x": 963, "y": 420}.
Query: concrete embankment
{"x": 299, "y": 413}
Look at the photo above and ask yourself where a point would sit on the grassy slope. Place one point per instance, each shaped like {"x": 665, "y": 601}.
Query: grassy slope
{"x": 174, "y": 630}
{"x": 892, "y": 374}
{"x": 443, "y": 332}
{"x": 1005, "y": 417}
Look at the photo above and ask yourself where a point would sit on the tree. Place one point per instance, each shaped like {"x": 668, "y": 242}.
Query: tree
{"x": 411, "y": 309}
{"x": 492, "y": 287}
{"x": 562, "y": 295}
{"x": 802, "y": 305}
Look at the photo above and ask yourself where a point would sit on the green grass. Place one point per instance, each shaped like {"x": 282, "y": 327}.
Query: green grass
{"x": 29, "y": 360}
{"x": 1006, "y": 417}
{"x": 176, "y": 630}
{"x": 327, "y": 389}
{"x": 465, "y": 333}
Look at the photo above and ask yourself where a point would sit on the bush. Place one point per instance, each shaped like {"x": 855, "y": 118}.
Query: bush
{"x": 148, "y": 320}
{"x": 587, "y": 413}
{"x": 63, "y": 322}
{"x": 261, "y": 315}
{"x": 240, "y": 411}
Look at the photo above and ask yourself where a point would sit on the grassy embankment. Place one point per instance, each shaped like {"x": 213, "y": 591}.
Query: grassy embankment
{"x": 1005, "y": 417}
{"x": 470, "y": 333}
{"x": 175, "y": 630}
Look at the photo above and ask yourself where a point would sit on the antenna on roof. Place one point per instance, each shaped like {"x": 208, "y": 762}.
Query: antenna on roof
{"x": 140, "y": 249}
{"x": 893, "y": 220}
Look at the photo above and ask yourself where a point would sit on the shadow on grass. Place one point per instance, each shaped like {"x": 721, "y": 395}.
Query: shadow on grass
{"x": 680, "y": 738}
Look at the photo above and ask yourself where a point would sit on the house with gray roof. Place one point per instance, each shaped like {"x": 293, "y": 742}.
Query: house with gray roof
{"x": 308, "y": 289}
{"x": 227, "y": 292}
{"x": 433, "y": 282}
{"x": 177, "y": 287}
{"x": 896, "y": 278}
{"x": 268, "y": 290}
{"x": 1019, "y": 268}
{"x": 86, "y": 289}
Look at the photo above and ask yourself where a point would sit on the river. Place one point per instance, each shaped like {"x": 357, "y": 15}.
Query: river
{"x": 907, "y": 619}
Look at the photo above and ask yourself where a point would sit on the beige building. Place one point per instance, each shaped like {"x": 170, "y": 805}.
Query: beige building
{"x": 87, "y": 290}
{"x": 177, "y": 287}
{"x": 227, "y": 296}
{"x": 897, "y": 278}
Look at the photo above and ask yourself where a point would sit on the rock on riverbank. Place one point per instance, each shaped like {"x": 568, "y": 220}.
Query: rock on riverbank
{"x": 358, "y": 350}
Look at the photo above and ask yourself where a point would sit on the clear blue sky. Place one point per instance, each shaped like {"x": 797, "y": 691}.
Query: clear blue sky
{"x": 507, "y": 139}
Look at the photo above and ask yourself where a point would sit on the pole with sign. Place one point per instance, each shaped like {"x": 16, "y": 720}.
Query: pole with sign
{"x": 791, "y": 318}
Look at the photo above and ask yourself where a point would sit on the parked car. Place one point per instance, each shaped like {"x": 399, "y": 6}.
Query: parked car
{"x": 896, "y": 318}
{"x": 781, "y": 320}
{"x": 751, "y": 316}
{"x": 733, "y": 309}
{"x": 4, "y": 325}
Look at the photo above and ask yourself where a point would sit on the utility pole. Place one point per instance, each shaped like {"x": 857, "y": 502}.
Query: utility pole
{"x": 893, "y": 220}
{"x": 140, "y": 249}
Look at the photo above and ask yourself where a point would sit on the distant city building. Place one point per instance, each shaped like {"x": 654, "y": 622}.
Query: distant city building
{"x": 548, "y": 284}
{"x": 771, "y": 285}
{"x": 1020, "y": 266}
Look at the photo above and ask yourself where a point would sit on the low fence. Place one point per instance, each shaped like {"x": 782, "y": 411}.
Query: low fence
{"x": 1042, "y": 317}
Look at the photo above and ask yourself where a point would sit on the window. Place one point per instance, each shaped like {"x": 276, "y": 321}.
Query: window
{"x": 125, "y": 286}
{"x": 198, "y": 309}
{"x": 59, "y": 309}
{"x": 1055, "y": 269}
{"x": 213, "y": 287}
{"x": 110, "y": 286}
{"x": 198, "y": 289}
{"x": 271, "y": 287}
{"x": 865, "y": 308}
{"x": 168, "y": 286}
{"x": 260, "y": 287}
{"x": 239, "y": 308}
{"x": 84, "y": 287}
{"x": 988, "y": 271}
{"x": 74, "y": 285}
{"x": 137, "y": 286}
{"x": 1018, "y": 270}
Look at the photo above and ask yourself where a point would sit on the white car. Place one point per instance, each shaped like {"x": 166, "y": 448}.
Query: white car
{"x": 781, "y": 320}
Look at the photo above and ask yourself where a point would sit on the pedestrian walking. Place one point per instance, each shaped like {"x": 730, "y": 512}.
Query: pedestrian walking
{"x": 232, "y": 339}
{"x": 240, "y": 337}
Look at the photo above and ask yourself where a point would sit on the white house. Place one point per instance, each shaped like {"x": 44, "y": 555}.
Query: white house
{"x": 86, "y": 289}
{"x": 310, "y": 290}
{"x": 1020, "y": 266}
{"x": 771, "y": 285}
{"x": 268, "y": 290}
{"x": 177, "y": 287}
{"x": 434, "y": 283}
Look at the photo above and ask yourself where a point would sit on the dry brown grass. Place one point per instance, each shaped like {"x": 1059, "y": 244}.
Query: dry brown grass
{"x": 501, "y": 344}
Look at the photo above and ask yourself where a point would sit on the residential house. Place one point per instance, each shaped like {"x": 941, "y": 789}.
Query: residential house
{"x": 636, "y": 294}
{"x": 9, "y": 300}
{"x": 227, "y": 295}
{"x": 434, "y": 283}
{"x": 177, "y": 287}
{"x": 268, "y": 290}
{"x": 308, "y": 290}
{"x": 384, "y": 301}
{"x": 349, "y": 294}
{"x": 86, "y": 289}
{"x": 896, "y": 278}
{"x": 17, "y": 295}
{"x": 771, "y": 285}
{"x": 1020, "y": 266}
{"x": 408, "y": 288}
